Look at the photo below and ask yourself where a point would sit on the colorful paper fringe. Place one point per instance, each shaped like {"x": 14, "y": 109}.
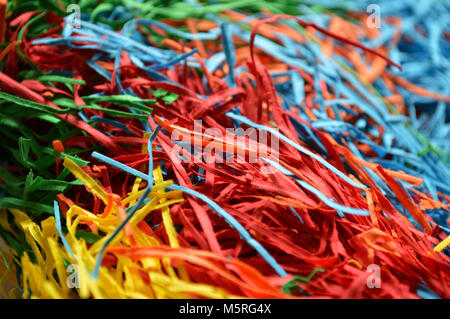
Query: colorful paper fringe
{"x": 95, "y": 202}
